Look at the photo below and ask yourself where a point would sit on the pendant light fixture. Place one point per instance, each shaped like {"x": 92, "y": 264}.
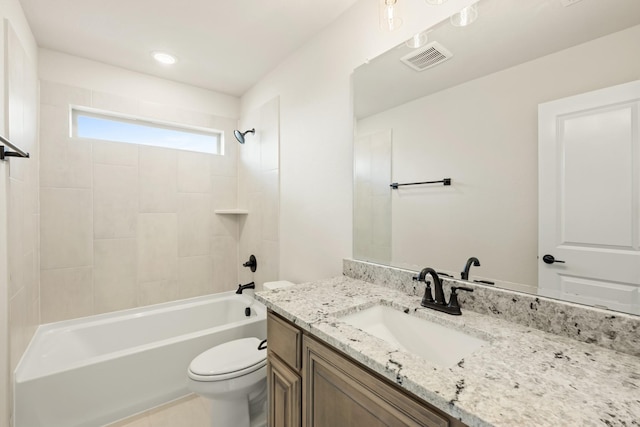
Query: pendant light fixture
{"x": 418, "y": 40}
{"x": 390, "y": 14}
{"x": 466, "y": 16}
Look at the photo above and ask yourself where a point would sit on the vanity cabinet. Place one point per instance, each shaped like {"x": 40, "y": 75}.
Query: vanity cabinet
{"x": 331, "y": 390}
{"x": 283, "y": 373}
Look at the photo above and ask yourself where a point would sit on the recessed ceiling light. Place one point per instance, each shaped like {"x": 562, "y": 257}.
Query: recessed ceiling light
{"x": 164, "y": 58}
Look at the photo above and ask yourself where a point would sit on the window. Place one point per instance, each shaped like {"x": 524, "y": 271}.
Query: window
{"x": 110, "y": 127}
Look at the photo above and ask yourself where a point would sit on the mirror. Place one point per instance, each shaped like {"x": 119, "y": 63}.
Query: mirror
{"x": 473, "y": 118}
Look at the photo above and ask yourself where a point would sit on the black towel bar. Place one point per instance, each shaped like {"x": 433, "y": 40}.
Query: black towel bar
{"x": 446, "y": 181}
{"x": 17, "y": 153}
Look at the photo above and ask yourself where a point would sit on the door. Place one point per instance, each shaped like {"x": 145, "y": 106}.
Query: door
{"x": 589, "y": 191}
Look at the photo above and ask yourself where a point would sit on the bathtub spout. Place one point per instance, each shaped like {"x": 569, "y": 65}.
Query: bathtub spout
{"x": 241, "y": 288}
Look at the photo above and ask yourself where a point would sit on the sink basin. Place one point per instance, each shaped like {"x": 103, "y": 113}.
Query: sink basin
{"x": 439, "y": 344}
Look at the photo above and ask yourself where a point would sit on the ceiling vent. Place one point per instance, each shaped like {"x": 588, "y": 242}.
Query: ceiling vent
{"x": 429, "y": 56}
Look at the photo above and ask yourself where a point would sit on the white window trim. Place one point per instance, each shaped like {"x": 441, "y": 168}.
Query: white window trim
{"x": 128, "y": 118}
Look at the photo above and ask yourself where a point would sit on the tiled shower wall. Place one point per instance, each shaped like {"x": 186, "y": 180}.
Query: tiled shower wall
{"x": 259, "y": 193}
{"x": 125, "y": 225}
{"x": 20, "y": 180}
{"x": 372, "y": 197}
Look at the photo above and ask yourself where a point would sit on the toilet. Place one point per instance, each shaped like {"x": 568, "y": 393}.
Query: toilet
{"x": 233, "y": 377}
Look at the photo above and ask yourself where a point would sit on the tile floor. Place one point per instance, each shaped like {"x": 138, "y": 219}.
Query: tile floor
{"x": 190, "y": 411}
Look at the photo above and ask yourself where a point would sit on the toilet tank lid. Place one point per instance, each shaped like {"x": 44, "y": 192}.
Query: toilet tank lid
{"x": 268, "y": 286}
{"x": 229, "y": 357}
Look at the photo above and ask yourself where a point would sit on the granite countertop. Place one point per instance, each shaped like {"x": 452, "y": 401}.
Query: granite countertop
{"x": 522, "y": 377}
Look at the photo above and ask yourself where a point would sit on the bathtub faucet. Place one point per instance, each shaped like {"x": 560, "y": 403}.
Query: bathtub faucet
{"x": 247, "y": 286}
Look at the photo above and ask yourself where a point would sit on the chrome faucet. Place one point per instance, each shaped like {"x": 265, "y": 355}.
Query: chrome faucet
{"x": 439, "y": 303}
{"x": 465, "y": 273}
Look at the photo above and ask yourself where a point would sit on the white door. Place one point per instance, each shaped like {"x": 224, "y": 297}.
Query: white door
{"x": 589, "y": 198}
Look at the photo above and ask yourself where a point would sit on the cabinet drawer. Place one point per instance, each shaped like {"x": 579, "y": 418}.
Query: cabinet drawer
{"x": 284, "y": 340}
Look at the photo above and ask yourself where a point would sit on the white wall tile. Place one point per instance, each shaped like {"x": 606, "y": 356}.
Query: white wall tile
{"x": 66, "y": 228}
{"x": 226, "y": 225}
{"x": 194, "y": 172}
{"x": 66, "y": 293}
{"x": 227, "y": 164}
{"x": 18, "y": 309}
{"x": 195, "y": 276}
{"x": 16, "y": 243}
{"x": 269, "y": 134}
{"x": 224, "y": 192}
{"x": 251, "y": 232}
{"x": 269, "y": 262}
{"x": 194, "y": 218}
{"x": 192, "y": 118}
{"x": 54, "y": 123}
{"x": 157, "y": 247}
{"x": 249, "y": 178}
{"x": 156, "y": 292}
{"x": 158, "y": 180}
{"x": 270, "y": 204}
{"x": 66, "y": 163}
{"x": 115, "y": 153}
{"x": 119, "y": 104}
{"x": 52, "y": 93}
{"x": 115, "y": 201}
{"x": 224, "y": 256}
{"x": 114, "y": 274}
{"x": 157, "y": 111}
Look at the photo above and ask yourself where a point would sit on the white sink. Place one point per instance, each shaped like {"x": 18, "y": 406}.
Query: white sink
{"x": 439, "y": 344}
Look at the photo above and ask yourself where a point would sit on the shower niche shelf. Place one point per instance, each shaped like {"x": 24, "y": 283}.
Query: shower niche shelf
{"x": 231, "y": 211}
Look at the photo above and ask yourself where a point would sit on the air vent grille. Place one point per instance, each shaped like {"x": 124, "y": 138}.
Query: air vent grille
{"x": 429, "y": 56}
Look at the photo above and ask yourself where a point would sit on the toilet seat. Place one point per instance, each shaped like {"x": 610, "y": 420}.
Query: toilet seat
{"x": 228, "y": 360}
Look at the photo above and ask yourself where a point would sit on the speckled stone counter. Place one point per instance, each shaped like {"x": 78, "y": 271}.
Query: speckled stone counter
{"x": 606, "y": 328}
{"x": 522, "y": 377}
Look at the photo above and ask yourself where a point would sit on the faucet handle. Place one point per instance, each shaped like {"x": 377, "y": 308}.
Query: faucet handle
{"x": 453, "y": 300}
{"x": 427, "y": 298}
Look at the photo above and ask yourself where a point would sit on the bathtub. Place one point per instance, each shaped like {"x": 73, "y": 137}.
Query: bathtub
{"x": 99, "y": 369}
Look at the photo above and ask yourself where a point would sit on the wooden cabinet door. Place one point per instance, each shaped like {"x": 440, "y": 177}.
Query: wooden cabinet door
{"x": 284, "y": 394}
{"x": 337, "y": 392}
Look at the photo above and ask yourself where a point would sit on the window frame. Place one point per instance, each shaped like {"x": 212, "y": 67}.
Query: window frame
{"x": 75, "y": 111}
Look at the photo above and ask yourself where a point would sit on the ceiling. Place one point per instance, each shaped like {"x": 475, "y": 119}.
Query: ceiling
{"x": 507, "y": 33}
{"x": 226, "y": 46}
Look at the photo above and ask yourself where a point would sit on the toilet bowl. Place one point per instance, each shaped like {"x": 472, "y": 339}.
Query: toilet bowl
{"x": 233, "y": 376}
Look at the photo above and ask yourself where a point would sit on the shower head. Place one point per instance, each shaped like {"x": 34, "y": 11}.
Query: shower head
{"x": 240, "y": 135}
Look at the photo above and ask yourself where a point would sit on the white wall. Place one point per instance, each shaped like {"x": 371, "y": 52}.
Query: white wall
{"x": 316, "y": 147}
{"x": 15, "y": 332}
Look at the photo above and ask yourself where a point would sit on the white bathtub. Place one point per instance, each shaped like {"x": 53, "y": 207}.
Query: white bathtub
{"x": 99, "y": 369}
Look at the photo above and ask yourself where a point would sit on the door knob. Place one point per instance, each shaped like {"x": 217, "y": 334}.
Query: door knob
{"x": 550, "y": 259}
